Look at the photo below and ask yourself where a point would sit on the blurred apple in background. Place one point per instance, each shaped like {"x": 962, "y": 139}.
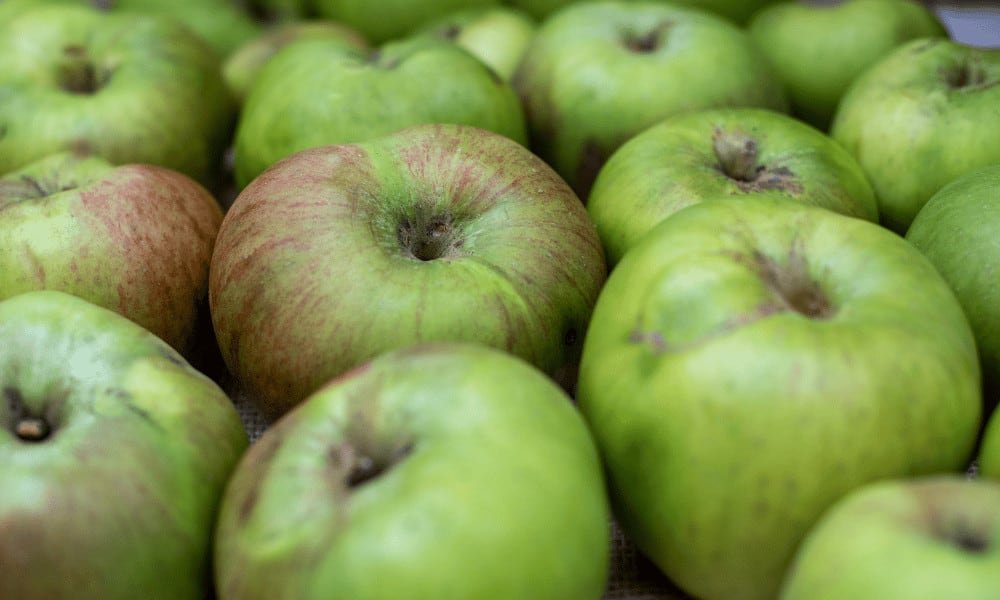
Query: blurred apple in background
{"x": 130, "y": 88}
{"x": 919, "y": 539}
{"x": 819, "y": 48}
{"x": 598, "y": 73}
{"x": 498, "y": 36}
{"x": 738, "y": 11}
{"x": 435, "y": 233}
{"x": 114, "y": 454}
{"x": 924, "y": 115}
{"x": 136, "y": 239}
{"x": 319, "y": 92}
{"x": 721, "y": 154}
{"x": 242, "y": 66}
{"x": 444, "y": 471}
{"x": 391, "y": 19}
{"x": 748, "y": 363}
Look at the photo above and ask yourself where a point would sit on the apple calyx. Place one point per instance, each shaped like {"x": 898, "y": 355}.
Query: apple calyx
{"x": 27, "y": 427}
{"x": 738, "y": 157}
{"x": 356, "y": 466}
{"x": 78, "y": 74}
{"x": 429, "y": 239}
{"x": 648, "y": 41}
{"x": 792, "y": 285}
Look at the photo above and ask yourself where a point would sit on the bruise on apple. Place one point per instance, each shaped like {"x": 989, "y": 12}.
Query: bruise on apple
{"x": 739, "y": 160}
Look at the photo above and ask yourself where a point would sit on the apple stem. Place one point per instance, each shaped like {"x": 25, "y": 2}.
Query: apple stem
{"x": 31, "y": 429}
{"x": 737, "y": 154}
{"x": 77, "y": 74}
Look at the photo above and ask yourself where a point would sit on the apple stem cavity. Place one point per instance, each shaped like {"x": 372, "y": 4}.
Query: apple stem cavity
{"x": 359, "y": 467}
{"x": 428, "y": 240}
{"x": 966, "y": 76}
{"x": 793, "y": 286}
{"x": 647, "y": 42}
{"x": 737, "y": 154}
{"x": 77, "y": 74}
{"x": 26, "y": 427}
{"x": 969, "y": 541}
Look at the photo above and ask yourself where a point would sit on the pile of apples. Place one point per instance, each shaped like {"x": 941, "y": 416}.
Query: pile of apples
{"x": 724, "y": 272}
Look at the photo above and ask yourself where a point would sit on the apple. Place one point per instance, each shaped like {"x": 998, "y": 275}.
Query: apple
{"x": 931, "y": 537}
{"x": 498, "y": 35}
{"x": 919, "y": 118}
{"x": 748, "y": 363}
{"x": 738, "y": 11}
{"x": 435, "y": 233}
{"x": 819, "y": 48}
{"x": 959, "y": 231}
{"x": 242, "y": 66}
{"x": 321, "y": 92}
{"x": 114, "y": 454}
{"x": 135, "y": 239}
{"x": 220, "y": 23}
{"x": 391, "y": 19}
{"x": 441, "y": 471}
{"x": 133, "y": 89}
{"x": 598, "y": 73}
{"x": 721, "y": 154}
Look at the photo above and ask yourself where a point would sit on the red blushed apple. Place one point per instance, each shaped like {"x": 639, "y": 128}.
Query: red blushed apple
{"x": 436, "y": 233}
{"x": 136, "y": 239}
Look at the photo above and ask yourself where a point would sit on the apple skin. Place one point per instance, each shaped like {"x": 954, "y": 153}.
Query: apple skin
{"x": 135, "y": 239}
{"x": 391, "y": 19}
{"x": 819, "y": 49}
{"x": 498, "y": 36}
{"x": 599, "y": 73}
{"x": 749, "y": 363}
{"x": 435, "y": 233}
{"x": 242, "y": 66}
{"x": 119, "y": 499}
{"x": 133, "y": 89}
{"x": 925, "y": 110}
{"x": 482, "y": 481}
{"x": 738, "y": 11}
{"x": 958, "y": 231}
{"x": 989, "y": 452}
{"x": 721, "y": 154}
{"x": 320, "y": 92}
{"x": 924, "y": 538}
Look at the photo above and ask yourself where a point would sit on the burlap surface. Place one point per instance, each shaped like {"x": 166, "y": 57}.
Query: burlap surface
{"x": 632, "y": 577}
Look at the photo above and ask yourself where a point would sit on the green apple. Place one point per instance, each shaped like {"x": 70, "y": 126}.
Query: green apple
{"x": 320, "y": 92}
{"x": 959, "y": 231}
{"x": 391, "y": 19}
{"x": 925, "y": 538}
{"x": 444, "y": 471}
{"x": 923, "y": 115}
{"x": 220, "y": 23}
{"x": 739, "y": 11}
{"x": 242, "y": 66}
{"x": 818, "y": 48}
{"x": 435, "y": 233}
{"x": 748, "y": 363}
{"x": 133, "y": 89}
{"x": 114, "y": 454}
{"x": 599, "y": 73}
{"x": 721, "y": 154}
{"x": 498, "y": 35}
{"x": 135, "y": 239}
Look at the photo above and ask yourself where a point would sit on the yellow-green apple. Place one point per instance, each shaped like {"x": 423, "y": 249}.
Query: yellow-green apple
{"x": 319, "y": 92}
{"x": 721, "y": 154}
{"x": 435, "y": 233}
{"x": 925, "y": 110}
{"x": 114, "y": 454}
{"x": 442, "y": 471}
{"x": 598, "y": 73}
{"x": 921, "y": 539}
{"x": 135, "y": 239}
{"x": 748, "y": 363}
{"x": 989, "y": 451}
{"x": 496, "y": 35}
{"x": 820, "y": 48}
{"x": 241, "y": 67}
{"x": 131, "y": 88}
